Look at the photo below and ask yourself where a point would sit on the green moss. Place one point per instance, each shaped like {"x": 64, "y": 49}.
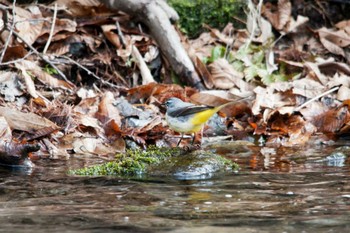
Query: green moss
{"x": 159, "y": 161}
{"x": 217, "y": 13}
{"x": 132, "y": 162}
{"x": 229, "y": 164}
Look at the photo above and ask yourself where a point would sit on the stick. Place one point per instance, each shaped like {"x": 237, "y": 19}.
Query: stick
{"x": 11, "y": 30}
{"x": 17, "y": 60}
{"x": 315, "y": 98}
{"x": 43, "y": 57}
{"x": 51, "y": 30}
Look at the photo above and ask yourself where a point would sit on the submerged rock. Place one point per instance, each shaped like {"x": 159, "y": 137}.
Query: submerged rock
{"x": 199, "y": 164}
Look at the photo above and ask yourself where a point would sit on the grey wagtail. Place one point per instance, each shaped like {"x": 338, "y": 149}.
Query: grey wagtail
{"x": 184, "y": 117}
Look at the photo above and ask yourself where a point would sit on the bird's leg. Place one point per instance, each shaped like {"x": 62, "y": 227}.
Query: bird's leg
{"x": 201, "y": 136}
{"x": 178, "y": 143}
{"x": 193, "y": 137}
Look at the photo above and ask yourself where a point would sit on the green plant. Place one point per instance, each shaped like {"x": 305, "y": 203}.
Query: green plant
{"x": 217, "y": 13}
{"x": 50, "y": 70}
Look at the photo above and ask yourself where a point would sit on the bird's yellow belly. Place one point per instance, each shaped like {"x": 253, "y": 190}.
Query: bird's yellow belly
{"x": 183, "y": 125}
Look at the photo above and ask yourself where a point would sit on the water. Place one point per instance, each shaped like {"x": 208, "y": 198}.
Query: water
{"x": 277, "y": 190}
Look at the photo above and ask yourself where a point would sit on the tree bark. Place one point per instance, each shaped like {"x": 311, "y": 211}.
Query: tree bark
{"x": 157, "y": 16}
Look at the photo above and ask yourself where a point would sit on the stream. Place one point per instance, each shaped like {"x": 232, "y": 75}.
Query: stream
{"x": 303, "y": 189}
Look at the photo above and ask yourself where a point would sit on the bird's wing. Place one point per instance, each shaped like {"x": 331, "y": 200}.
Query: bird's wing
{"x": 188, "y": 110}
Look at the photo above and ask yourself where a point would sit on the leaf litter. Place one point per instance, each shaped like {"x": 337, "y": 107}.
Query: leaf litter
{"x": 296, "y": 75}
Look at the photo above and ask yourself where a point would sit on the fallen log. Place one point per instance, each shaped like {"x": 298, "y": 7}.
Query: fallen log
{"x": 157, "y": 15}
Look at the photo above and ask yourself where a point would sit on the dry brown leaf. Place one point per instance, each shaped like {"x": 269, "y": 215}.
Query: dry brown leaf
{"x": 300, "y": 136}
{"x": 29, "y": 66}
{"x": 80, "y": 8}
{"x": 332, "y": 67}
{"x": 343, "y": 93}
{"x": 5, "y": 131}
{"x": 313, "y": 109}
{"x": 65, "y": 25}
{"x": 29, "y": 23}
{"x": 14, "y": 52}
{"x": 87, "y": 121}
{"x": 125, "y": 53}
{"x": 107, "y": 110}
{"x": 314, "y": 71}
{"x": 28, "y": 122}
{"x": 344, "y": 25}
{"x": 268, "y": 98}
{"x": 110, "y": 33}
{"x": 203, "y": 72}
{"x": 259, "y": 28}
{"x": 28, "y": 80}
{"x": 281, "y": 86}
{"x": 308, "y": 87}
{"x": 278, "y": 18}
{"x": 202, "y": 46}
{"x": 151, "y": 54}
{"x": 228, "y": 40}
{"x": 212, "y": 97}
{"x": 292, "y": 25}
{"x": 332, "y": 120}
{"x": 331, "y": 47}
{"x": 225, "y": 76}
{"x": 151, "y": 124}
{"x": 86, "y": 145}
{"x": 161, "y": 91}
{"x": 339, "y": 80}
{"x": 108, "y": 114}
{"x": 339, "y": 38}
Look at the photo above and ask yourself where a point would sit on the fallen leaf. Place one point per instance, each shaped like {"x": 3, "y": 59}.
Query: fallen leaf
{"x": 14, "y": 52}
{"x": 29, "y": 66}
{"x": 292, "y": 25}
{"x": 343, "y": 93}
{"x": 338, "y": 38}
{"x": 28, "y": 122}
{"x": 308, "y": 87}
{"x": 28, "y": 23}
{"x": 10, "y": 86}
{"x": 108, "y": 114}
{"x": 332, "y": 120}
{"x": 5, "y": 131}
{"x": 61, "y": 25}
{"x": 84, "y": 8}
{"x": 225, "y": 76}
{"x": 203, "y": 72}
{"x": 280, "y": 15}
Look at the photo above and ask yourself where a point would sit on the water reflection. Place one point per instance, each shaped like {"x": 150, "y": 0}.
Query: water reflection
{"x": 278, "y": 190}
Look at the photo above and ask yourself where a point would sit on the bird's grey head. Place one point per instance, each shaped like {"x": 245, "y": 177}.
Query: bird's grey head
{"x": 173, "y": 102}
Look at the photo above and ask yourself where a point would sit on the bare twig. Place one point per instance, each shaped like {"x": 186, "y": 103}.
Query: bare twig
{"x": 4, "y": 8}
{"x": 17, "y": 60}
{"x": 43, "y": 57}
{"x": 10, "y": 30}
{"x": 92, "y": 74}
{"x": 51, "y": 30}
{"x": 315, "y": 98}
{"x": 120, "y": 34}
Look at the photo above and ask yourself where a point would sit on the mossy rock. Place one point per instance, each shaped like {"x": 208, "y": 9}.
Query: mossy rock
{"x": 198, "y": 164}
{"x": 175, "y": 162}
{"x": 217, "y": 14}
